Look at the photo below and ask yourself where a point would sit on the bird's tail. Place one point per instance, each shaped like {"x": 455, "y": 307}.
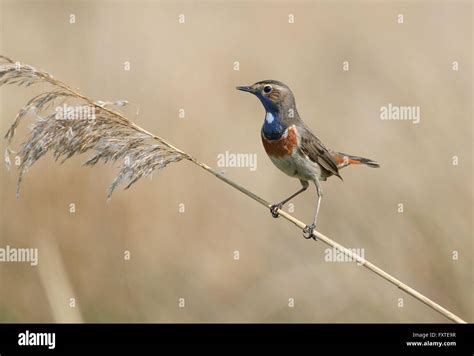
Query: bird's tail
{"x": 345, "y": 160}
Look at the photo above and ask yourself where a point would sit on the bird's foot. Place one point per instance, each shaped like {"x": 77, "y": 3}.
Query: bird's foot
{"x": 274, "y": 209}
{"x": 308, "y": 231}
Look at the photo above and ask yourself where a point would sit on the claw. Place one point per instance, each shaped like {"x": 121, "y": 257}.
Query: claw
{"x": 308, "y": 231}
{"x": 274, "y": 209}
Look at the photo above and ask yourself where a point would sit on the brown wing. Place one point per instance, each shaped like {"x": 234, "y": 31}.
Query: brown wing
{"x": 317, "y": 152}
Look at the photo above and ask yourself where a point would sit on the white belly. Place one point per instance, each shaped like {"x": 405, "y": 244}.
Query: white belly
{"x": 298, "y": 167}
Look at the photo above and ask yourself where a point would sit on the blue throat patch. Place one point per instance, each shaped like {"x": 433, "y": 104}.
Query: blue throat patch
{"x": 272, "y": 127}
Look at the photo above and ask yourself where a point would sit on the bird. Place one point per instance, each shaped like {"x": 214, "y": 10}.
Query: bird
{"x": 293, "y": 148}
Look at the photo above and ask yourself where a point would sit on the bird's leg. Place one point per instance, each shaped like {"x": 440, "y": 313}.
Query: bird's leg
{"x": 308, "y": 230}
{"x": 274, "y": 208}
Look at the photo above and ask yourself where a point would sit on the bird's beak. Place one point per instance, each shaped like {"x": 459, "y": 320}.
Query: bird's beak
{"x": 247, "y": 89}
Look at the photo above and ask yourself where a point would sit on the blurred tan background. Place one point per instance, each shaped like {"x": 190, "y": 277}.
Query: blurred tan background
{"x": 190, "y": 255}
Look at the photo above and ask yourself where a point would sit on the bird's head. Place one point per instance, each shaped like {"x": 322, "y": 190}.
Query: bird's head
{"x": 275, "y": 96}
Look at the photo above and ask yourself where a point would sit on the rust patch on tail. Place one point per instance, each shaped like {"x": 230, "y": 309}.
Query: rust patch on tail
{"x": 343, "y": 160}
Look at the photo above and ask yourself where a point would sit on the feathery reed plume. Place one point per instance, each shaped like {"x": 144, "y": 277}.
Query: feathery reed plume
{"x": 112, "y": 136}
{"x": 94, "y": 127}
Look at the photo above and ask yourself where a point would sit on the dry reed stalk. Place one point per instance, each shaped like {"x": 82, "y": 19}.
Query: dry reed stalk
{"x": 56, "y": 283}
{"x": 112, "y": 136}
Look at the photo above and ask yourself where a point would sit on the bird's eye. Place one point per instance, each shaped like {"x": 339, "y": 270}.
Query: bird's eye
{"x": 267, "y": 89}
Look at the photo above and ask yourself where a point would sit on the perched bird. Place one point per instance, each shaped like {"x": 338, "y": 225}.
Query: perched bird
{"x": 293, "y": 148}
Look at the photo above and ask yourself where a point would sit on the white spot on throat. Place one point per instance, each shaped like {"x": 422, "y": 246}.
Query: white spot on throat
{"x": 269, "y": 117}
